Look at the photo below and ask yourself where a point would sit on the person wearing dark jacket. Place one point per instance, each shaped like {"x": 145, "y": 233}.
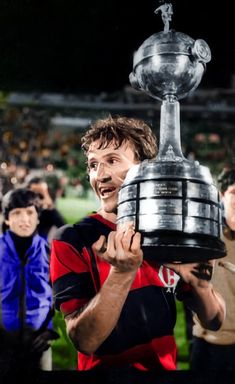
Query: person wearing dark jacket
{"x": 25, "y": 286}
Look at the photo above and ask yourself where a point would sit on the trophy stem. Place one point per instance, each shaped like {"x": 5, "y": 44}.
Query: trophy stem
{"x": 170, "y": 141}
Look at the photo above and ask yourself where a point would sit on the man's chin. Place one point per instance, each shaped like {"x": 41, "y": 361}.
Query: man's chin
{"x": 111, "y": 210}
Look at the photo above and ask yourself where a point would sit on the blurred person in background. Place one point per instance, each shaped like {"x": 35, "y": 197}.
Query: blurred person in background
{"x": 215, "y": 350}
{"x": 25, "y": 287}
{"x": 50, "y": 217}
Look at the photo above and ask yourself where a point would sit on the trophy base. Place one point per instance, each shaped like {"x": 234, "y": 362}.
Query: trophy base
{"x": 180, "y": 248}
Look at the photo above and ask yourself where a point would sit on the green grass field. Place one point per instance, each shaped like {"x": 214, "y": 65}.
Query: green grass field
{"x": 74, "y": 208}
{"x": 64, "y": 355}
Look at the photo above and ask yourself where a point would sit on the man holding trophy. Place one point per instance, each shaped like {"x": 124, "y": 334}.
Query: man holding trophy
{"x": 116, "y": 273}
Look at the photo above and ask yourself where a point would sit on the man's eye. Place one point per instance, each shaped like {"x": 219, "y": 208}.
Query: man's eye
{"x": 112, "y": 161}
{"x": 93, "y": 166}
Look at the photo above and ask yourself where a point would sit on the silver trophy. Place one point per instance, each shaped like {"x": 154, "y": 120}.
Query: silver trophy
{"x": 171, "y": 200}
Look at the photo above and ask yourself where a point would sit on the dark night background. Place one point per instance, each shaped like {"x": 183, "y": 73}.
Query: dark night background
{"x": 75, "y": 46}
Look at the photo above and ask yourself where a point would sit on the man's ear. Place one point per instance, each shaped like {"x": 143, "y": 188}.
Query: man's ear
{"x": 6, "y": 222}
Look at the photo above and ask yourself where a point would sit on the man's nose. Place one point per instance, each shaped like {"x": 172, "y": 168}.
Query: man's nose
{"x": 103, "y": 172}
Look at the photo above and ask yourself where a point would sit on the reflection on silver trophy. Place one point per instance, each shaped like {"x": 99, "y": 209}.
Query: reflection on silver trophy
{"x": 171, "y": 200}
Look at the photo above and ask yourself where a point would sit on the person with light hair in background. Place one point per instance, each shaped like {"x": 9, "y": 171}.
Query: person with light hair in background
{"x": 215, "y": 350}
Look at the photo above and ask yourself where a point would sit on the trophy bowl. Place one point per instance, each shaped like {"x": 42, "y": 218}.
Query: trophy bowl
{"x": 169, "y": 64}
{"x": 176, "y": 208}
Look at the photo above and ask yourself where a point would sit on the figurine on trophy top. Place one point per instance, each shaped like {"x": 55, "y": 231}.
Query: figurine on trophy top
{"x": 167, "y": 11}
{"x": 172, "y": 200}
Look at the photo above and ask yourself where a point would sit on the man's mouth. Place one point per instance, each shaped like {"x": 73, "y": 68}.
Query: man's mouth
{"x": 107, "y": 191}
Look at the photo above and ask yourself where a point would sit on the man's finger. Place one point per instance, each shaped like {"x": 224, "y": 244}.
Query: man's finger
{"x": 100, "y": 246}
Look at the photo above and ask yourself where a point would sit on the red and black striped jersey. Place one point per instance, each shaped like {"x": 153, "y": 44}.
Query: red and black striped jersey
{"x": 143, "y": 336}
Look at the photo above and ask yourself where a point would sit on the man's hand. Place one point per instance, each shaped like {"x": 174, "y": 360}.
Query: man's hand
{"x": 122, "y": 250}
{"x": 207, "y": 303}
{"x": 196, "y": 274}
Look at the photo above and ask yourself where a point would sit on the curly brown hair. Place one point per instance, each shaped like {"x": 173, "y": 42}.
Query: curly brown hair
{"x": 119, "y": 130}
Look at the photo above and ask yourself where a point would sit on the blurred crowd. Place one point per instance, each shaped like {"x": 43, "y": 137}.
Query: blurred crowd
{"x": 29, "y": 145}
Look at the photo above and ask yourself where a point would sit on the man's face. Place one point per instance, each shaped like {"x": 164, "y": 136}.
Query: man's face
{"x": 23, "y": 221}
{"x": 228, "y": 199}
{"x": 107, "y": 170}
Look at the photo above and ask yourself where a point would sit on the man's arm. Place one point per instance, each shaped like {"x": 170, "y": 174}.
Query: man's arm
{"x": 207, "y": 303}
{"x": 90, "y": 327}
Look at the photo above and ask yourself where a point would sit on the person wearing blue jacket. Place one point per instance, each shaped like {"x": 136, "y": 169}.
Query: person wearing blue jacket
{"x": 26, "y": 307}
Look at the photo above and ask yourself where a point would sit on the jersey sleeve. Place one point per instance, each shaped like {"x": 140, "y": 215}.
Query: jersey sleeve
{"x": 183, "y": 291}
{"x": 70, "y": 274}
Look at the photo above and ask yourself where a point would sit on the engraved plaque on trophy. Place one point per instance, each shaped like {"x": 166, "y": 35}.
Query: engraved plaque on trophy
{"x": 171, "y": 200}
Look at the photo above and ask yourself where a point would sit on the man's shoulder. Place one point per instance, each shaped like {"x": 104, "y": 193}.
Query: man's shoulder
{"x": 71, "y": 231}
{"x": 86, "y": 231}
{"x": 64, "y": 232}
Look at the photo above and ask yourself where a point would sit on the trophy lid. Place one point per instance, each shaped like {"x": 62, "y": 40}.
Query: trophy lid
{"x": 172, "y": 43}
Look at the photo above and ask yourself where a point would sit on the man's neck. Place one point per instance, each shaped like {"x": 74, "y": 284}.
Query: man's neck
{"x": 110, "y": 216}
